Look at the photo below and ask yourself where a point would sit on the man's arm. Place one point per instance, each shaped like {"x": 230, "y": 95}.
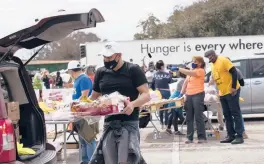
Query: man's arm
{"x": 211, "y": 81}
{"x": 233, "y": 73}
{"x": 86, "y": 86}
{"x": 95, "y": 95}
{"x": 141, "y": 83}
{"x": 144, "y": 96}
{"x": 85, "y": 93}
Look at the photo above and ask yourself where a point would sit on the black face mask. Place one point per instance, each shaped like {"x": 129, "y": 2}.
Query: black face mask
{"x": 111, "y": 64}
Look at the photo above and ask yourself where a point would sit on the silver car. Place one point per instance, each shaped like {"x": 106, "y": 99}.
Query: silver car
{"x": 252, "y": 68}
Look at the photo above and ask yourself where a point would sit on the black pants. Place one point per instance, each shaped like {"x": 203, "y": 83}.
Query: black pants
{"x": 173, "y": 118}
{"x": 232, "y": 113}
{"x": 194, "y": 109}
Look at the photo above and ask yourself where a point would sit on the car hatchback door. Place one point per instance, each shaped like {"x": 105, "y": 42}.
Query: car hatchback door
{"x": 257, "y": 85}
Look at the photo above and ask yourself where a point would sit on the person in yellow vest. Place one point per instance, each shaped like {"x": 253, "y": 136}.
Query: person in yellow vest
{"x": 225, "y": 76}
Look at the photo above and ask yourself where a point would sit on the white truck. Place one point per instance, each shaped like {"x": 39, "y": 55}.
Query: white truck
{"x": 175, "y": 51}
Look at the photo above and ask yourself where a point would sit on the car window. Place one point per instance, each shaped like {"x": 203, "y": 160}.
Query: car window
{"x": 239, "y": 64}
{"x": 242, "y": 66}
{"x": 257, "y": 68}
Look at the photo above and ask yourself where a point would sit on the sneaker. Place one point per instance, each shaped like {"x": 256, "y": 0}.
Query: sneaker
{"x": 201, "y": 141}
{"x": 178, "y": 133}
{"x": 245, "y": 136}
{"x": 227, "y": 140}
{"x": 168, "y": 131}
{"x": 188, "y": 142}
{"x": 84, "y": 162}
{"x": 238, "y": 140}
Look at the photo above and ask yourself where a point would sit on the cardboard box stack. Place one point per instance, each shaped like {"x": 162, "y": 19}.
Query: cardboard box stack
{"x": 13, "y": 113}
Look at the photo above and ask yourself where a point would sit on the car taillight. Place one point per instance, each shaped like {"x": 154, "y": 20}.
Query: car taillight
{"x": 7, "y": 142}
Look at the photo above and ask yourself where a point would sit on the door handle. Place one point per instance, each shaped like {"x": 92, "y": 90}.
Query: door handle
{"x": 257, "y": 82}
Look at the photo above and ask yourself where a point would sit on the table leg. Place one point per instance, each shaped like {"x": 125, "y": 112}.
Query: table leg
{"x": 55, "y": 133}
{"x": 64, "y": 142}
{"x": 156, "y": 132}
{"x": 183, "y": 124}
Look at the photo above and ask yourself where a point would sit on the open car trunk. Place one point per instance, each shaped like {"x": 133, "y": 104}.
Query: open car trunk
{"x": 18, "y": 83}
{"x": 17, "y": 88}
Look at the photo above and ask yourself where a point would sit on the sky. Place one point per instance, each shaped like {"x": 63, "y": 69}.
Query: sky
{"x": 121, "y": 16}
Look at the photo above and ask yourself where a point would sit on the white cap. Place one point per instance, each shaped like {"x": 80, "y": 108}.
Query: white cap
{"x": 74, "y": 64}
{"x": 110, "y": 49}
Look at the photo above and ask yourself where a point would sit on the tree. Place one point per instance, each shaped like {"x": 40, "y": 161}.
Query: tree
{"x": 213, "y": 18}
{"x": 67, "y": 48}
{"x": 150, "y": 28}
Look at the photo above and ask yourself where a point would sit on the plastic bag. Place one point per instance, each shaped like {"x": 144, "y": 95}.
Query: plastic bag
{"x": 210, "y": 98}
{"x": 155, "y": 95}
{"x": 210, "y": 90}
{"x": 113, "y": 103}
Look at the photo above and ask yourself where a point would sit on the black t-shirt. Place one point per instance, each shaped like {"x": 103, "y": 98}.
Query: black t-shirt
{"x": 46, "y": 82}
{"x": 161, "y": 80}
{"x": 59, "y": 82}
{"x": 125, "y": 81}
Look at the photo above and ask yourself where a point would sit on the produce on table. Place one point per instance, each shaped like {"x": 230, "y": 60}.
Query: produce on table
{"x": 45, "y": 108}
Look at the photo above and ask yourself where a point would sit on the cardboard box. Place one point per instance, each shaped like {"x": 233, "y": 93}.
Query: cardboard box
{"x": 13, "y": 111}
{"x": 72, "y": 145}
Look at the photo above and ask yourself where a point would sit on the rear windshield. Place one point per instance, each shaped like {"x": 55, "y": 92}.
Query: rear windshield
{"x": 4, "y": 97}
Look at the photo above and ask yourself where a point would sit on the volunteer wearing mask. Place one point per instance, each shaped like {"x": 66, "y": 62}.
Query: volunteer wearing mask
{"x": 161, "y": 82}
{"x": 150, "y": 73}
{"x": 225, "y": 76}
{"x": 193, "y": 88}
{"x": 240, "y": 78}
{"x": 119, "y": 143}
{"x": 82, "y": 88}
{"x": 176, "y": 113}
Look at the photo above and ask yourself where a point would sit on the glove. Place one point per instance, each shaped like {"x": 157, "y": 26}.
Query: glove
{"x": 180, "y": 95}
{"x": 174, "y": 68}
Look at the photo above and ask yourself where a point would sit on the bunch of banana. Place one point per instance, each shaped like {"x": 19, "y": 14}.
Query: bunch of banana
{"x": 45, "y": 108}
{"x": 24, "y": 151}
{"x": 86, "y": 99}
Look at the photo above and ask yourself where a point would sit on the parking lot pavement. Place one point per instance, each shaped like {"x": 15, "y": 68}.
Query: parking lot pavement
{"x": 172, "y": 150}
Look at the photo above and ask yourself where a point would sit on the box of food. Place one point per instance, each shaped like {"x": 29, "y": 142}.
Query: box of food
{"x": 13, "y": 111}
{"x": 105, "y": 105}
{"x": 97, "y": 110}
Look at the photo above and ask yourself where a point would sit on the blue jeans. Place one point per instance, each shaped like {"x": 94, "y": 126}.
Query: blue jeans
{"x": 243, "y": 124}
{"x": 165, "y": 95}
{"x": 232, "y": 113}
{"x": 87, "y": 149}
